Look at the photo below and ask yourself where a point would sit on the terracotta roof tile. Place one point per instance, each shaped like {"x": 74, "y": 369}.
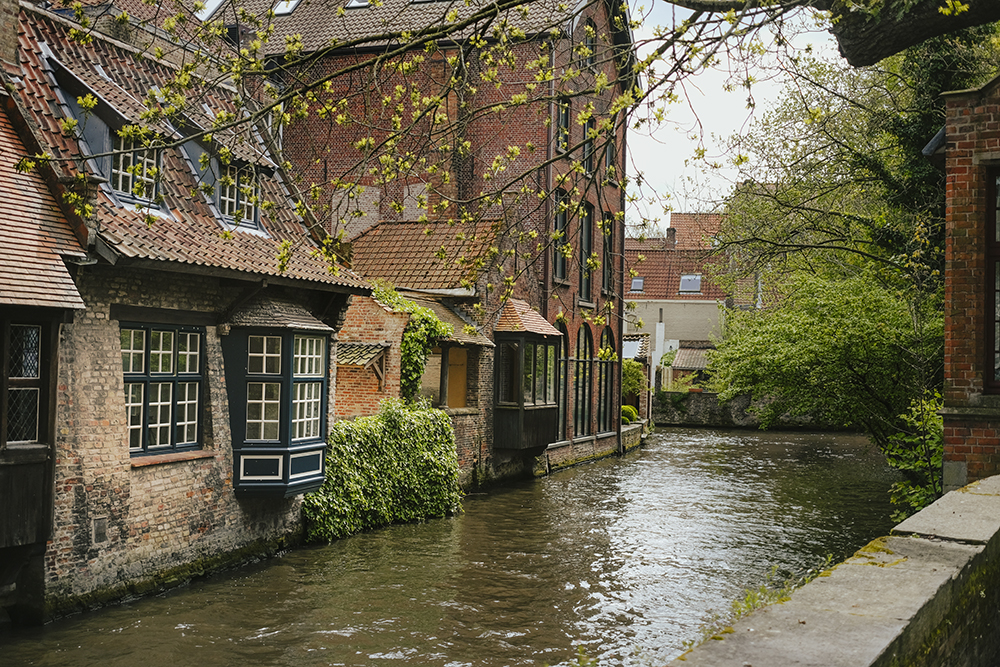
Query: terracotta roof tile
{"x": 695, "y": 230}
{"x": 642, "y": 339}
{"x": 359, "y": 354}
{"x": 517, "y": 315}
{"x": 34, "y": 235}
{"x": 188, "y": 233}
{"x": 419, "y": 255}
{"x": 688, "y": 359}
{"x": 272, "y": 312}
{"x": 661, "y": 271}
{"x": 458, "y": 323}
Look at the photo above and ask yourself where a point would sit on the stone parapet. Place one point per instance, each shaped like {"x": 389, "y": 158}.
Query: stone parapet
{"x": 925, "y": 595}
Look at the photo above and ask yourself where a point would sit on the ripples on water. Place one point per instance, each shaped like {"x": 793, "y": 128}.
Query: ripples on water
{"x": 625, "y": 557}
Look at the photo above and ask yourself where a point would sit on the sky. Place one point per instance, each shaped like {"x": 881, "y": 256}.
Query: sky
{"x": 664, "y": 156}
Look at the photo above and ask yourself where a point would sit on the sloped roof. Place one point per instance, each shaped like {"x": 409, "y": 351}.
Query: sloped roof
{"x": 359, "y": 354}
{"x": 518, "y": 316}
{"x": 688, "y": 359}
{"x": 641, "y": 343}
{"x": 270, "y": 311}
{"x": 34, "y": 234}
{"x": 695, "y": 230}
{"x": 325, "y": 23}
{"x": 661, "y": 271}
{"x": 420, "y": 255}
{"x": 458, "y": 323}
{"x": 187, "y": 235}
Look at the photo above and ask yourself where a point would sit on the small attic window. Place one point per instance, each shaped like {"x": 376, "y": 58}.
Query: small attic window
{"x": 205, "y": 12}
{"x": 285, "y": 7}
{"x": 690, "y": 282}
{"x": 356, "y": 4}
{"x": 637, "y": 284}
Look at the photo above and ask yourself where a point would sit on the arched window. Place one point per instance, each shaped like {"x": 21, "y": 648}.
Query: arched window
{"x": 563, "y": 373}
{"x": 582, "y": 383}
{"x": 606, "y": 383}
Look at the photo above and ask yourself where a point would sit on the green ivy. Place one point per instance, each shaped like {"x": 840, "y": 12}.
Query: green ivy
{"x": 397, "y": 466}
{"x": 421, "y": 334}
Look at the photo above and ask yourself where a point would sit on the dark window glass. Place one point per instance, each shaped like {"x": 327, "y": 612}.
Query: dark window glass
{"x": 586, "y": 248}
{"x": 559, "y": 229}
{"x": 562, "y": 124}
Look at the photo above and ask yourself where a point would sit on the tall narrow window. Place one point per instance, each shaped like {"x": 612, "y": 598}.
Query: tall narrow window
{"x": 991, "y": 379}
{"x": 611, "y": 159}
{"x": 589, "y": 44}
{"x": 606, "y": 383}
{"x": 308, "y": 361}
{"x": 563, "y": 381}
{"x": 162, "y": 367}
{"x": 607, "y": 261}
{"x": 562, "y": 124}
{"x": 586, "y": 248}
{"x": 589, "y": 134}
{"x": 582, "y": 383}
{"x": 24, "y": 377}
{"x": 559, "y": 232}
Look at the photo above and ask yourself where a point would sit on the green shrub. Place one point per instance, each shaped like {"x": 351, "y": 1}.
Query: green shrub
{"x": 633, "y": 378}
{"x": 399, "y": 465}
{"x": 629, "y": 414}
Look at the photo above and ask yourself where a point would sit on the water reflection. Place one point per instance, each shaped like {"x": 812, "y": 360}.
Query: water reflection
{"x": 624, "y": 557}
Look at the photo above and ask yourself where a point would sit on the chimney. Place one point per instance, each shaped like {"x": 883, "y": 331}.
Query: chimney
{"x": 9, "y": 10}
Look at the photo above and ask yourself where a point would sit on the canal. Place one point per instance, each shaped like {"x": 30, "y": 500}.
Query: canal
{"x": 624, "y": 557}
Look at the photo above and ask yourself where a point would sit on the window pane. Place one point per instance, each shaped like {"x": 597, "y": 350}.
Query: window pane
{"x": 308, "y": 356}
{"x": 160, "y": 395}
{"x": 187, "y": 413}
{"x": 133, "y": 412}
{"x": 528, "y": 373}
{"x": 25, "y": 351}
{"x": 264, "y": 355}
{"x": 161, "y": 352}
{"x": 508, "y": 377}
{"x": 188, "y": 352}
{"x": 133, "y": 346}
{"x": 550, "y": 392}
{"x": 540, "y": 374}
{"x": 22, "y": 415}
{"x": 263, "y": 410}
{"x": 306, "y": 409}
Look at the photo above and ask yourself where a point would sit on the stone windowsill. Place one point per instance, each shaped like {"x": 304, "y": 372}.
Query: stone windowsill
{"x": 460, "y": 412}
{"x": 173, "y": 457}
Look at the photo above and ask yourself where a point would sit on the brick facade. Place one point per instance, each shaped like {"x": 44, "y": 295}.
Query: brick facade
{"x": 125, "y": 524}
{"x": 358, "y": 391}
{"x": 972, "y": 410}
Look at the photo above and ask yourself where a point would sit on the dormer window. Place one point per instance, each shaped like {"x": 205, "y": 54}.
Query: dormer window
{"x": 133, "y": 169}
{"x": 238, "y": 194}
{"x": 691, "y": 283}
{"x": 638, "y": 284}
{"x": 356, "y": 4}
{"x": 285, "y": 7}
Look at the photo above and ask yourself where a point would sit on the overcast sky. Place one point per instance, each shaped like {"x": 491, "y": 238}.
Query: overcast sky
{"x": 662, "y": 155}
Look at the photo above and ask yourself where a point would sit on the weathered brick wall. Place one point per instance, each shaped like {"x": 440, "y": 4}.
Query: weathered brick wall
{"x": 358, "y": 391}
{"x": 972, "y": 415}
{"x": 165, "y": 521}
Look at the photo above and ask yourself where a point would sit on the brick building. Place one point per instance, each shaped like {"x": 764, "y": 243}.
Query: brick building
{"x": 187, "y": 402}
{"x": 972, "y": 286}
{"x": 518, "y": 142}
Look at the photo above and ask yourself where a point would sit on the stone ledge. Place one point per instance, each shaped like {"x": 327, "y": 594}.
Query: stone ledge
{"x": 174, "y": 457}
{"x": 926, "y": 595}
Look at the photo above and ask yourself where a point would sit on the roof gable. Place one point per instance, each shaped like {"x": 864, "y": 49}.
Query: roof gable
{"x": 188, "y": 233}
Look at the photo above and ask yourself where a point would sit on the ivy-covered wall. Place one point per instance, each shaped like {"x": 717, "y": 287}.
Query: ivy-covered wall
{"x": 397, "y": 466}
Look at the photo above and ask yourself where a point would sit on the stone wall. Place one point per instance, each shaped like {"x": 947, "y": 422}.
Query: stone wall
{"x": 125, "y": 525}
{"x": 927, "y": 595}
{"x": 682, "y": 408}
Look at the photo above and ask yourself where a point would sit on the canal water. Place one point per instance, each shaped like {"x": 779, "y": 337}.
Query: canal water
{"x": 624, "y": 557}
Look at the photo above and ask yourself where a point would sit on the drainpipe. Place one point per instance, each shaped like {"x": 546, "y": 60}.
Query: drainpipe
{"x": 619, "y": 301}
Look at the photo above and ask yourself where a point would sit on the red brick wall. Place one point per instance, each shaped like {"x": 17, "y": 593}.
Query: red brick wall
{"x": 368, "y": 321}
{"x": 972, "y": 416}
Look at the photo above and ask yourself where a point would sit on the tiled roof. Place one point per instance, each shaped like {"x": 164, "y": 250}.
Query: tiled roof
{"x": 324, "y": 22}
{"x": 648, "y": 244}
{"x": 695, "y": 230}
{"x": 34, "y": 234}
{"x": 418, "y": 255}
{"x": 661, "y": 271}
{"x": 517, "y": 315}
{"x": 642, "y": 339}
{"x": 273, "y": 312}
{"x": 359, "y": 354}
{"x": 458, "y": 324}
{"x": 690, "y": 360}
{"x": 187, "y": 235}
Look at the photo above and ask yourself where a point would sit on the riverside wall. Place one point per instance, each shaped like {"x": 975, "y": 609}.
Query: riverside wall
{"x": 927, "y": 594}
